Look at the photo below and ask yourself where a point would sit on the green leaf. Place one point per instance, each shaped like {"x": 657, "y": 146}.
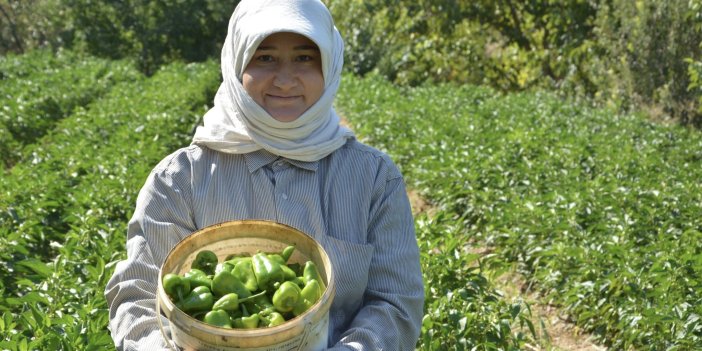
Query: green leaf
{"x": 34, "y": 298}
{"x": 37, "y": 266}
{"x": 99, "y": 341}
{"x": 8, "y": 345}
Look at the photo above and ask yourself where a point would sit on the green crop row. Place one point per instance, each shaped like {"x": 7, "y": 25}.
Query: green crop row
{"x": 600, "y": 211}
{"x": 39, "y": 89}
{"x": 64, "y": 211}
{"x": 463, "y": 309}
{"x": 66, "y": 208}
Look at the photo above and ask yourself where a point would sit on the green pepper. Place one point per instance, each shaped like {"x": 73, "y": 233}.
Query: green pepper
{"x": 243, "y": 270}
{"x": 266, "y": 270}
{"x": 260, "y": 304}
{"x": 287, "y": 252}
{"x": 231, "y": 301}
{"x": 301, "y": 306}
{"x": 176, "y": 286}
{"x": 308, "y": 297}
{"x": 198, "y": 278}
{"x": 225, "y": 282}
{"x": 237, "y": 323}
{"x": 277, "y": 258}
{"x": 198, "y": 300}
{"x": 246, "y": 321}
{"x": 251, "y": 321}
{"x": 224, "y": 266}
{"x": 312, "y": 291}
{"x": 285, "y": 298}
{"x": 288, "y": 274}
{"x": 234, "y": 256}
{"x": 218, "y": 318}
{"x": 300, "y": 281}
{"x": 235, "y": 260}
{"x": 235, "y": 314}
{"x": 310, "y": 272}
{"x": 205, "y": 261}
{"x": 272, "y": 319}
{"x": 228, "y": 302}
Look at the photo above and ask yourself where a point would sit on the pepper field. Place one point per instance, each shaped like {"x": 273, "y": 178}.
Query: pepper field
{"x": 598, "y": 211}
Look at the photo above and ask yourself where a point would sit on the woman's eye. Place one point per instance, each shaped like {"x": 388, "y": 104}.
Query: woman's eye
{"x": 305, "y": 58}
{"x": 265, "y": 58}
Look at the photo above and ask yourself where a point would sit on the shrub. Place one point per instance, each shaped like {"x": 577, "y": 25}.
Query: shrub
{"x": 40, "y": 88}
{"x": 625, "y": 54}
{"x": 152, "y": 32}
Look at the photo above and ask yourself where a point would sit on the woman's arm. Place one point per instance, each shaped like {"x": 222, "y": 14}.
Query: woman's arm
{"x": 161, "y": 218}
{"x": 390, "y": 318}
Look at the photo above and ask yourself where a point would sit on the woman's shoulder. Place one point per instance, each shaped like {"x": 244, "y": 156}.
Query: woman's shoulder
{"x": 181, "y": 159}
{"x": 359, "y": 154}
{"x": 360, "y": 149}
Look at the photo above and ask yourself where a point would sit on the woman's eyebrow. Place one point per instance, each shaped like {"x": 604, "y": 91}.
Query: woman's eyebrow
{"x": 306, "y": 47}
{"x": 300, "y": 47}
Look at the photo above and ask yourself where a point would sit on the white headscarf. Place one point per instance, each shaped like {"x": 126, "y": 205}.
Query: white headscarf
{"x": 237, "y": 124}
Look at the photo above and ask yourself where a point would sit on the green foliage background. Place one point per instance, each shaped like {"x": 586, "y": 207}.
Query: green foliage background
{"x": 598, "y": 210}
{"x": 152, "y": 33}
{"x": 632, "y": 55}
{"x": 621, "y": 53}
{"x": 504, "y": 114}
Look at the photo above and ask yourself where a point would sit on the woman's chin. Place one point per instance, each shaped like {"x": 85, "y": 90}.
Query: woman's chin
{"x": 285, "y": 116}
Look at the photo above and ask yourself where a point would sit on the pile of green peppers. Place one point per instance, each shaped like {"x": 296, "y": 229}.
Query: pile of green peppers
{"x": 245, "y": 291}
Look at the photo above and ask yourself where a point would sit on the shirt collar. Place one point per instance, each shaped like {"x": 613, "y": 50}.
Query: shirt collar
{"x": 257, "y": 159}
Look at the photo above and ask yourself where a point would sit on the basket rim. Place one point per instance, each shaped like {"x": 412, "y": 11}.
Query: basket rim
{"x": 310, "y": 316}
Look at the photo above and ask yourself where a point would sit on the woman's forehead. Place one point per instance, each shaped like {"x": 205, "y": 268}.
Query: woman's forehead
{"x": 287, "y": 39}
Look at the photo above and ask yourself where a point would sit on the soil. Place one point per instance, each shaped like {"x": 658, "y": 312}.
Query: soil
{"x": 554, "y": 329}
{"x": 555, "y": 332}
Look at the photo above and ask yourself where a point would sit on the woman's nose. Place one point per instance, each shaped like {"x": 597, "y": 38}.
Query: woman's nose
{"x": 285, "y": 77}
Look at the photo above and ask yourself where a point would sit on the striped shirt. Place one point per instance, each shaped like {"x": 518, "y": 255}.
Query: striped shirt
{"x": 353, "y": 202}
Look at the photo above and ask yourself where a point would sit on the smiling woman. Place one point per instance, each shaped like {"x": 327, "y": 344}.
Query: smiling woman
{"x": 285, "y": 75}
{"x": 272, "y": 148}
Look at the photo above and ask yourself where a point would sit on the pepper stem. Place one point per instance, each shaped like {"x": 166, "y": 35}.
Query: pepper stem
{"x": 251, "y": 297}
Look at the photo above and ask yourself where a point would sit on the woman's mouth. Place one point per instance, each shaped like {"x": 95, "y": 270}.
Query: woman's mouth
{"x": 284, "y": 97}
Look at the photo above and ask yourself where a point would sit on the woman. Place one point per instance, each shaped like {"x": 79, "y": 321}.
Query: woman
{"x": 272, "y": 148}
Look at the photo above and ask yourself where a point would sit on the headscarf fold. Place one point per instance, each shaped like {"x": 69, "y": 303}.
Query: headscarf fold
{"x": 237, "y": 124}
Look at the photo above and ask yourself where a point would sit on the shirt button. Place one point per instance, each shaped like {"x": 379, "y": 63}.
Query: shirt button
{"x": 285, "y": 197}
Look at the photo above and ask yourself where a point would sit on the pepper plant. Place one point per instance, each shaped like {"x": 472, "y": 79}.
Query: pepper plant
{"x": 598, "y": 210}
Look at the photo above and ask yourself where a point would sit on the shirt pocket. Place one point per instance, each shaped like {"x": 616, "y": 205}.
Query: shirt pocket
{"x": 350, "y": 262}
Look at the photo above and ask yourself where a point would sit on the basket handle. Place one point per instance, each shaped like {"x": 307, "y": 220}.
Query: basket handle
{"x": 160, "y": 324}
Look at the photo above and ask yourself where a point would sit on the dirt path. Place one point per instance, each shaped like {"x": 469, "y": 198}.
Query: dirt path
{"x": 554, "y": 331}
{"x": 552, "y": 326}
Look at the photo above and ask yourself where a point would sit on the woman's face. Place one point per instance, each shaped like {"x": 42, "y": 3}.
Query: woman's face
{"x": 285, "y": 75}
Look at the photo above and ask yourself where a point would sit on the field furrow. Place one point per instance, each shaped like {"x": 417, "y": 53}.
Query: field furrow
{"x": 68, "y": 205}
{"x": 599, "y": 211}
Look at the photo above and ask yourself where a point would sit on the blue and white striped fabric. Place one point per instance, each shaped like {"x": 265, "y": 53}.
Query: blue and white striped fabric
{"x": 353, "y": 202}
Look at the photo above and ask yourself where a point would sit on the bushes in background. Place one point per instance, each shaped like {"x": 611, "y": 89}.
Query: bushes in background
{"x": 153, "y": 32}
{"x": 631, "y": 55}
{"x": 40, "y": 89}
{"x": 627, "y": 54}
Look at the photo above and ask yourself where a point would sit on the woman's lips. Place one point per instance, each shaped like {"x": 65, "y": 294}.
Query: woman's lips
{"x": 279, "y": 98}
